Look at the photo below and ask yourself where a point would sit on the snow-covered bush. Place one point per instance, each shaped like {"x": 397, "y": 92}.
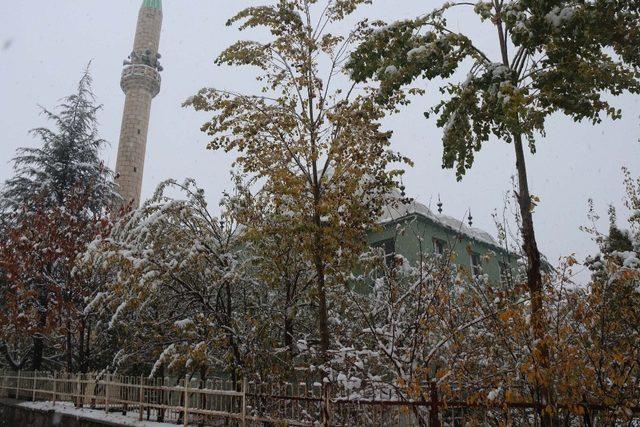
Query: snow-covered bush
{"x": 177, "y": 294}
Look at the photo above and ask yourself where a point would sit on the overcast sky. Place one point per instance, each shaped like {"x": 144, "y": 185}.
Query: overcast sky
{"x": 44, "y": 46}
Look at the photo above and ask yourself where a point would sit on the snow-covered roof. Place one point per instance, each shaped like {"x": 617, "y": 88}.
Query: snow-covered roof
{"x": 393, "y": 213}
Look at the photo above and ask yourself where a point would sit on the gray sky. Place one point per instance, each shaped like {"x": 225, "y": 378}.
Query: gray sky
{"x": 44, "y": 46}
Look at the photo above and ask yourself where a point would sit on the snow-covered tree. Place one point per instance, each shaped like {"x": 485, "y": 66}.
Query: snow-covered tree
{"x": 313, "y": 139}
{"x": 56, "y": 202}
{"x": 547, "y": 56}
{"x": 68, "y": 161}
{"x": 178, "y": 295}
{"x": 278, "y": 262}
{"x": 401, "y": 327}
{"x": 610, "y": 314}
{"x": 42, "y": 322}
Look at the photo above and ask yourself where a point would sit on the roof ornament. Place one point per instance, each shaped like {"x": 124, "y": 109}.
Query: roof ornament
{"x": 439, "y": 205}
{"x": 470, "y": 218}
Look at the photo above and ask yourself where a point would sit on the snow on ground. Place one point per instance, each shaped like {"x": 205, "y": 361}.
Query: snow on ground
{"x": 67, "y": 408}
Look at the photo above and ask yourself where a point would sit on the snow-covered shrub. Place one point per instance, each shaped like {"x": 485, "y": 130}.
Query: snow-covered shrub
{"x": 178, "y": 291}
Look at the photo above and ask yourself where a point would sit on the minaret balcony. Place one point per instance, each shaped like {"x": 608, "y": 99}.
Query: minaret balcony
{"x": 141, "y": 76}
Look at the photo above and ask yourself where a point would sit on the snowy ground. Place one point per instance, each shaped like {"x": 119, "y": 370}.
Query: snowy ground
{"x": 66, "y": 408}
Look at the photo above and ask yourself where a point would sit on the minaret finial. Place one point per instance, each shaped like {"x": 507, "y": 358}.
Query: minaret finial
{"x": 152, "y": 4}
{"x": 470, "y": 219}
{"x": 439, "y": 205}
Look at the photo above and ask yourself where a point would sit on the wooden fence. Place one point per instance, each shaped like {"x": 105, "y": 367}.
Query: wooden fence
{"x": 177, "y": 401}
{"x": 219, "y": 402}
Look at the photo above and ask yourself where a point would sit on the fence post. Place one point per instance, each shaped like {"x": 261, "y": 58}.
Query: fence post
{"x": 326, "y": 409}
{"x": 95, "y": 382}
{"x": 244, "y": 402}
{"x": 79, "y": 399}
{"x": 35, "y": 383}
{"x": 18, "y": 386}
{"x": 126, "y": 381}
{"x": 186, "y": 401}
{"x": 434, "y": 417}
{"x": 141, "y": 398}
{"x": 53, "y": 391}
{"x": 106, "y": 393}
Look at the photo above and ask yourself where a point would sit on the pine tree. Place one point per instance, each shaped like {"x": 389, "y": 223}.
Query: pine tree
{"x": 56, "y": 203}
{"x": 618, "y": 240}
{"x": 68, "y": 160}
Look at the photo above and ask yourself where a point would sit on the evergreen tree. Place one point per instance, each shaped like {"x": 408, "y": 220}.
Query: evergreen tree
{"x": 618, "y": 240}
{"x": 56, "y": 203}
{"x": 68, "y": 160}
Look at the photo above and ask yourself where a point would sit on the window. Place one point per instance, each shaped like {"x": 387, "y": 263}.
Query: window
{"x": 476, "y": 263}
{"x": 389, "y": 248}
{"x": 506, "y": 275}
{"x": 439, "y": 246}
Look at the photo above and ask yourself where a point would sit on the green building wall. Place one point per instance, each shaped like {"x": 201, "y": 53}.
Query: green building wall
{"x": 414, "y": 234}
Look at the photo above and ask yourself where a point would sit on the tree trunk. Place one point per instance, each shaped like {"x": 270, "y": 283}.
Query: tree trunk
{"x": 38, "y": 338}
{"x": 534, "y": 279}
{"x": 38, "y": 350}
{"x": 228, "y": 322}
{"x": 287, "y": 337}
{"x": 87, "y": 352}
{"x": 323, "y": 323}
{"x": 291, "y": 287}
{"x": 81, "y": 362}
{"x": 160, "y": 374}
{"x": 69, "y": 344}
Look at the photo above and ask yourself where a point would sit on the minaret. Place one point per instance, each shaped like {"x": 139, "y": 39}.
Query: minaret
{"x": 140, "y": 83}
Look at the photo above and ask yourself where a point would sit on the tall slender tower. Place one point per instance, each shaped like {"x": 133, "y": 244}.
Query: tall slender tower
{"x": 140, "y": 83}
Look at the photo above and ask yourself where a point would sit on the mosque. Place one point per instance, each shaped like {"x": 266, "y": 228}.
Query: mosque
{"x": 411, "y": 230}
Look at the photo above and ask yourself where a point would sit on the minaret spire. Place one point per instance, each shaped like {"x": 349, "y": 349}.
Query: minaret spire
{"x": 157, "y": 4}
{"x": 140, "y": 83}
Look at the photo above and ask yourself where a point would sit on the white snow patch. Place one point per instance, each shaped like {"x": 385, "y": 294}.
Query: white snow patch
{"x": 115, "y": 316}
{"x": 420, "y": 50}
{"x": 68, "y": 408}
{"x": 629, "y": 259}
{"x": 493, "y": 394}
{"x": 559, "y": 16}
{"x": 183, "y": 324}
{"x": 391, "y": 70}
